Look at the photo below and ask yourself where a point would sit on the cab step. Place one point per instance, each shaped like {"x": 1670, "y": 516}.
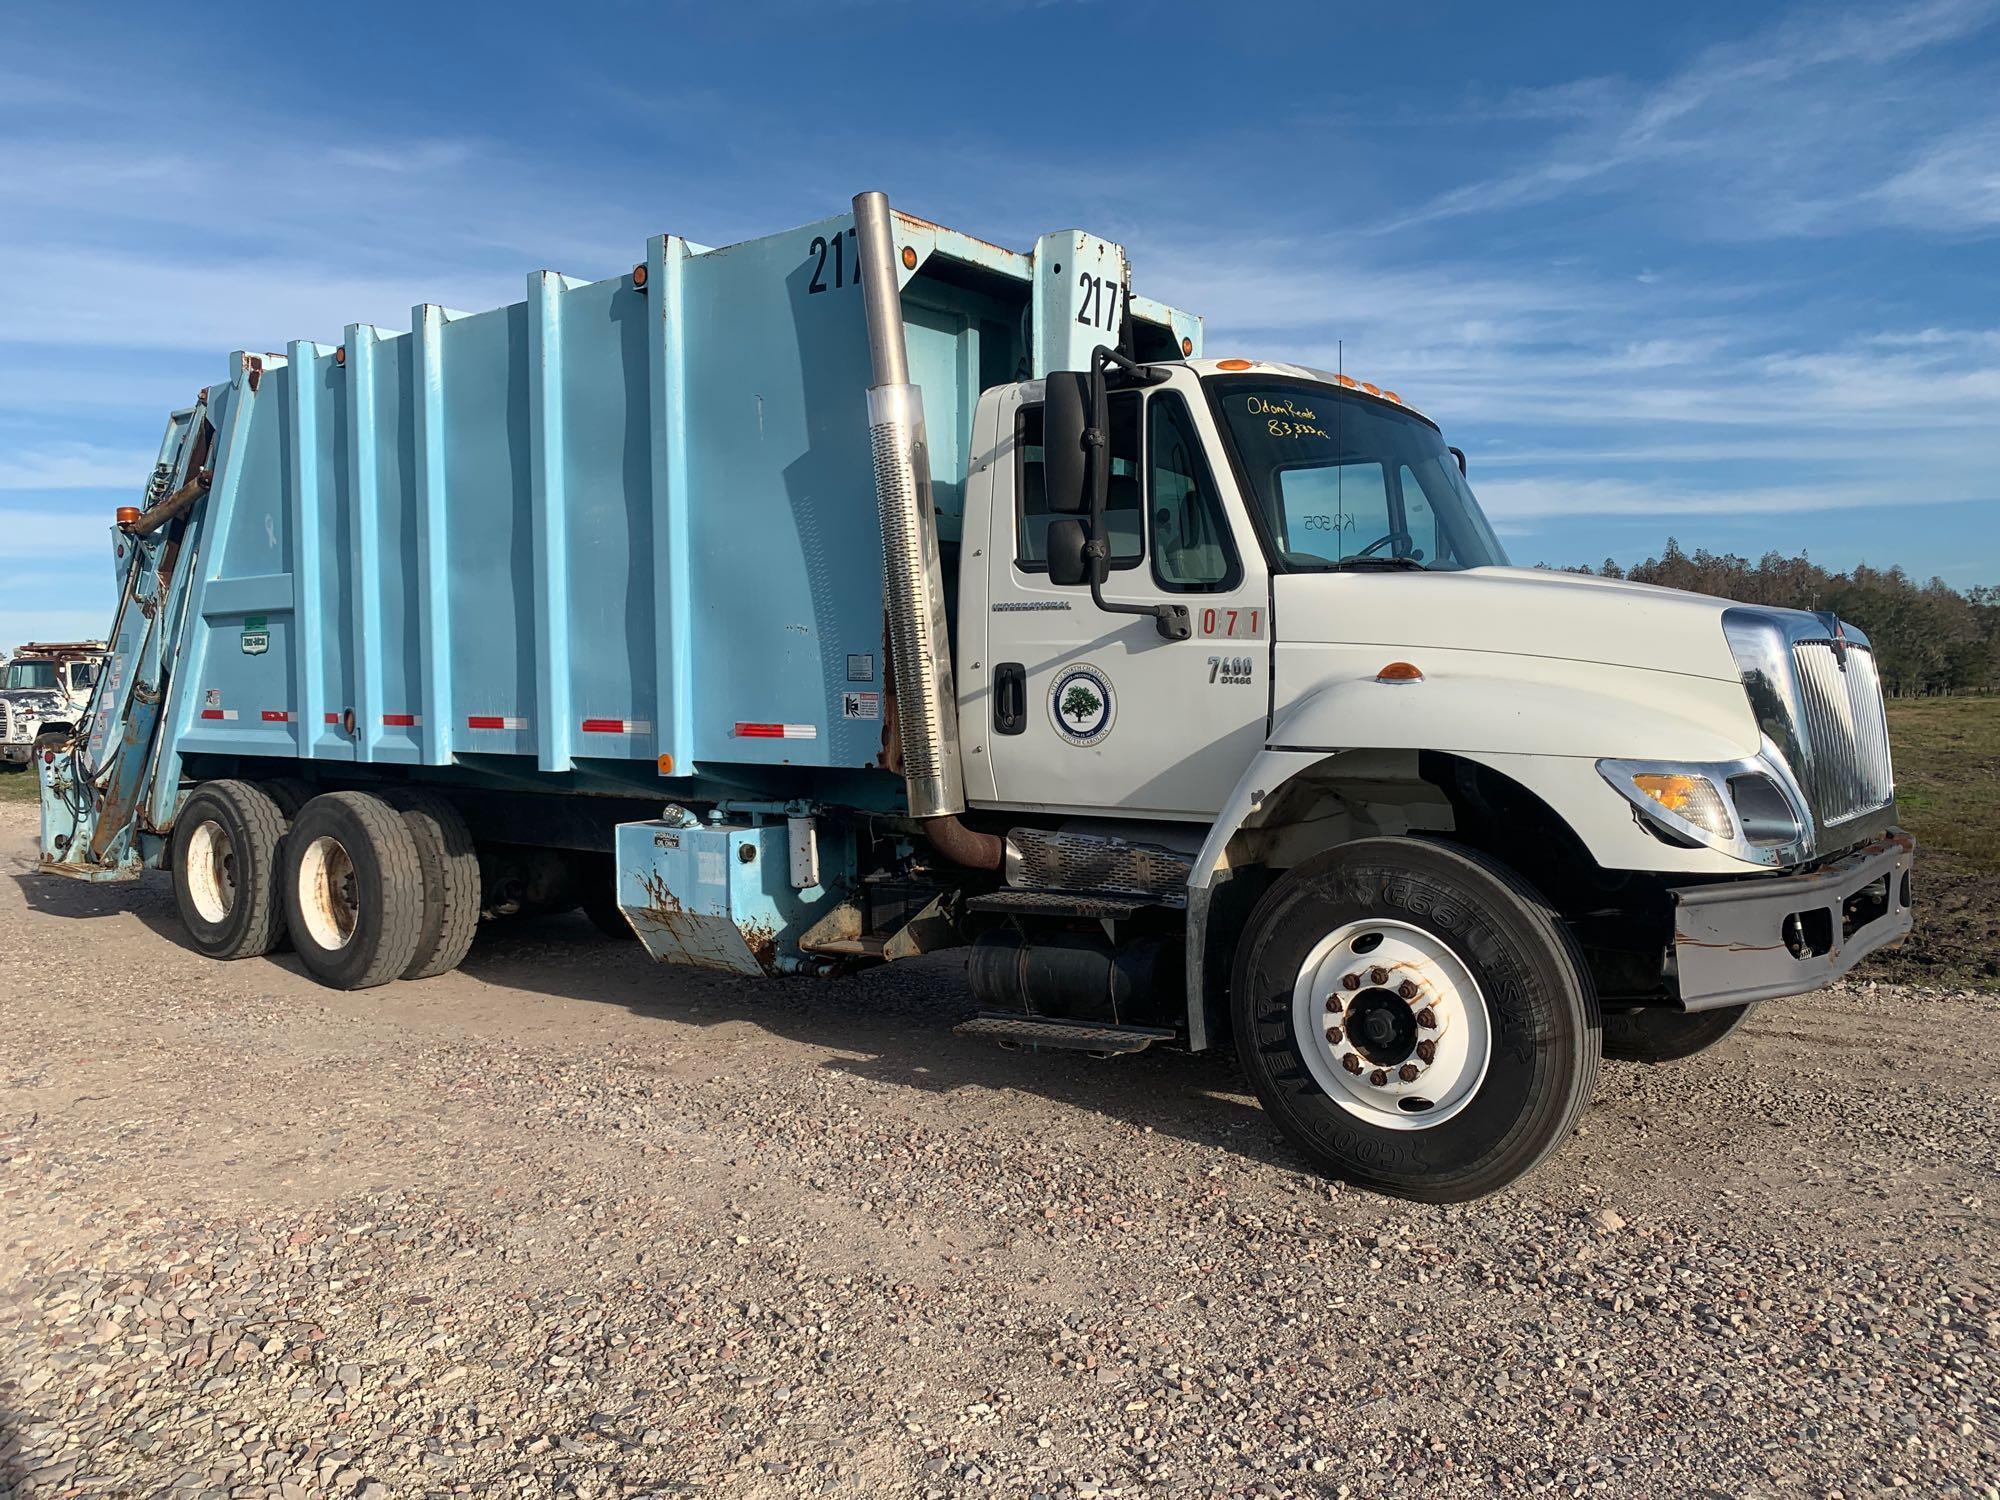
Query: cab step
{"x": 1099, "y": 1038}
{"x": 1047, "y": 860}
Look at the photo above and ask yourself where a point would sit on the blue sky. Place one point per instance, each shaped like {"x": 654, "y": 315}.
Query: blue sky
{"x": 1716, "y": 271}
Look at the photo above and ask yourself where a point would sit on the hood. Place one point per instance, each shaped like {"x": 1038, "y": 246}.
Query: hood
{"x": 1511, "y": 611}
{"x": 33, "y": 700}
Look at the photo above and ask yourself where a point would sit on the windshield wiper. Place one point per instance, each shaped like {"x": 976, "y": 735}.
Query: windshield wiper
{"x": 1359, "y": 561}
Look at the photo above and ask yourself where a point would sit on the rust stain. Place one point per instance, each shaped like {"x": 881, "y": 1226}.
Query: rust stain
{"x": 762, "y": 940}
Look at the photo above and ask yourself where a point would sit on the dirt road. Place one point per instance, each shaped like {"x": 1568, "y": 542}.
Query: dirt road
{"x": 564, "y": 1223}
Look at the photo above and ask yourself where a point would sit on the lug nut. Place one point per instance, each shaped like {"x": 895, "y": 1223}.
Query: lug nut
{"x": 1378, "y": 975}
{"x": 1351, "y": 1062}
{"x": 1350, "y": 981}
{"x": 1378, "y": 1078}
{"x": 1408, "y": 1072}
{"x": 1407, "y": 989}
{"x": 1427, "y": 1018}
{"x": 1333, "y": 1035}
{"x": 1427, "y": 1050}
{"x": 1333, "y": 1005}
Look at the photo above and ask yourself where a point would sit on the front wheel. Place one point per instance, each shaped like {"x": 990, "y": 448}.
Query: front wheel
{"x": 1415, "y": 1019}
{"x": 1663, "y": 1036}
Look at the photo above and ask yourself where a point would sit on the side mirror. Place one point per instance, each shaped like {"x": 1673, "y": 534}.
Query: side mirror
{"x": 1459, "y": 454}
{"x": 1065, "y": 459}
{"x": 1069, "y": 563}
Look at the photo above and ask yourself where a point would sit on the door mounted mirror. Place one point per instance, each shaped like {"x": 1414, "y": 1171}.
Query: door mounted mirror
{"x": 1066, "y": 417}
{"x": 1068, "y": 547}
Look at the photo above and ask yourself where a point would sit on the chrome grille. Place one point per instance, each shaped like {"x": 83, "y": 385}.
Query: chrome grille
{"x": 1845, "y": 732}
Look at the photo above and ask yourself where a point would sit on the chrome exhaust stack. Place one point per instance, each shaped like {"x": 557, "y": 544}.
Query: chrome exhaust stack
{"x": 913, "y": 578}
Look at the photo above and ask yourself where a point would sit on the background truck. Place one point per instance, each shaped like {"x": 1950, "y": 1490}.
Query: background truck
{"x": 861, "y": 591}
{"x": 44, "y": 689}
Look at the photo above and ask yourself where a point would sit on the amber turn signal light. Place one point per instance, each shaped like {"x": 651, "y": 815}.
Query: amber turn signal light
{"x": 1399, "y": 671}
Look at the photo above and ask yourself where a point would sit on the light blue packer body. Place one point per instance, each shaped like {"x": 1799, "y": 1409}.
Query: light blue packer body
{"x": 617, "y": 538}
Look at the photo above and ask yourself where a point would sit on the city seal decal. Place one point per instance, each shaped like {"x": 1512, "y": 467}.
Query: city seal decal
{"x": 1082, "y": 705}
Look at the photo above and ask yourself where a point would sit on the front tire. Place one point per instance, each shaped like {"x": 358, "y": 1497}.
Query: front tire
{"x": 227, "y": 856}
{"x": 1663, "y": 1036}
{"x": 354, "y": 899}
{"x": 1415, "y": 1019}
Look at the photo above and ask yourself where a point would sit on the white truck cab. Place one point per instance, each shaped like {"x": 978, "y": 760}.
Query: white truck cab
{"x": 46, "y": 687}
{"x": 1452, "y": 829}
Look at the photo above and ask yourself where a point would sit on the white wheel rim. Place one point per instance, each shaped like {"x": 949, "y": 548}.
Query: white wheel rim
{"x": 328, "y": 899}
{"x": 211, "y": 872}
{"x": 1391, "y": 1024}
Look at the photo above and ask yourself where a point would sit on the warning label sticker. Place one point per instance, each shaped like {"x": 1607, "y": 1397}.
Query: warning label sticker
{"x": 861, "y": 705}
{"x": 861, "y": 668}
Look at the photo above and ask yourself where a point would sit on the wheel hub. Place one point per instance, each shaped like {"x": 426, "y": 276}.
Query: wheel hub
{"x": 1392, "y": 1024}
{"x": 329, "y": 899}
{"x": 211, "y": 871}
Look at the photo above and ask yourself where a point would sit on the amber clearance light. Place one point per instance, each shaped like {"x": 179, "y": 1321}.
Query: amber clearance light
{"x": 1399, "y": 671}
{"x": 1232, "y": 364}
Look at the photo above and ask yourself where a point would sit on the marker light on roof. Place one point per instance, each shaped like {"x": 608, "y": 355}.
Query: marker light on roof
{"x": 1232, "y": 364}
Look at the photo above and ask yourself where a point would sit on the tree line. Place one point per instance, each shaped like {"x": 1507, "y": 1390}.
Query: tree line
{"x": 1929, "y": 638}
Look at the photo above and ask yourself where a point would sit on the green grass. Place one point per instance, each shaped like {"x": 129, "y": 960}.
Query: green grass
{"x": 1948, "y": 775}
{"x": 20, "y": 786}
{"x": 1948, "y": 793}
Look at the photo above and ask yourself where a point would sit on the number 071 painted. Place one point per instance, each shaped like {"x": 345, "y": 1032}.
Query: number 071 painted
{"x": 1232, "y": 624}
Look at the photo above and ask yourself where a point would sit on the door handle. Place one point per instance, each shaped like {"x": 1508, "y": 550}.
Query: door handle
{"x": 1010, "y": 698}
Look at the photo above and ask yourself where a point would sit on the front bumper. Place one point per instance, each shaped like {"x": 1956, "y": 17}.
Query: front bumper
{"x": 16, "y": 755}
{"x": 1759, "y": 938}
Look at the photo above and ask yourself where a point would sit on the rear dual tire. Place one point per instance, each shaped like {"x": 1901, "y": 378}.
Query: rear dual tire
{"x": 365, "y": 888}
{"x": 227, "y": 853}
{"x": 1415, "y": 1019}
{"x": 354, "y": 892}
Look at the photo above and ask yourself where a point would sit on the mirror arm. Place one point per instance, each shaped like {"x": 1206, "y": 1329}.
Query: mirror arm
{"x": 1171, "y": 620}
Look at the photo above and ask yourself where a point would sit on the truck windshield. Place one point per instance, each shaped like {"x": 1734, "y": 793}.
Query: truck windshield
{"x": 31, "y": 674}
{"x": 1342, "y": 480}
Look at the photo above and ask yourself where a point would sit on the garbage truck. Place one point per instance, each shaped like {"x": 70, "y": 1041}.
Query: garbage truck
{"x": 868, "y": 590}
{"x": 43, "y": 690}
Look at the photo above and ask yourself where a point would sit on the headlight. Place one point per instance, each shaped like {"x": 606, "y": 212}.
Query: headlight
{"x": 1743, "y": 808}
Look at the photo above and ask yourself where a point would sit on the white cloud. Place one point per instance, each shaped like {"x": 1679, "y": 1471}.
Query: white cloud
{"x": 75, "y": 466}
{"x": 52, "y": 536}
{"x": 1518, "y": 500}
{"x": 1953, "y": 185}
{"x": 1778, "y": 133}
{"x": 19, "y": 626}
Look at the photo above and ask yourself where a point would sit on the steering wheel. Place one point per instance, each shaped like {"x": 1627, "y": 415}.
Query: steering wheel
{"x": 1383, "y": 541}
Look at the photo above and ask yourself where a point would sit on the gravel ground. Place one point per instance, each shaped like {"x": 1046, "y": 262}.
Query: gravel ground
{"x": 564, "y": 1223}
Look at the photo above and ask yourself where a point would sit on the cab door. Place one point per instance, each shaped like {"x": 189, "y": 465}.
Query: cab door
{"x": 1088, "y": 711}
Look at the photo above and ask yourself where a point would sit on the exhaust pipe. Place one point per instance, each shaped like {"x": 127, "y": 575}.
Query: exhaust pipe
{"x": 912, "y": 577}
